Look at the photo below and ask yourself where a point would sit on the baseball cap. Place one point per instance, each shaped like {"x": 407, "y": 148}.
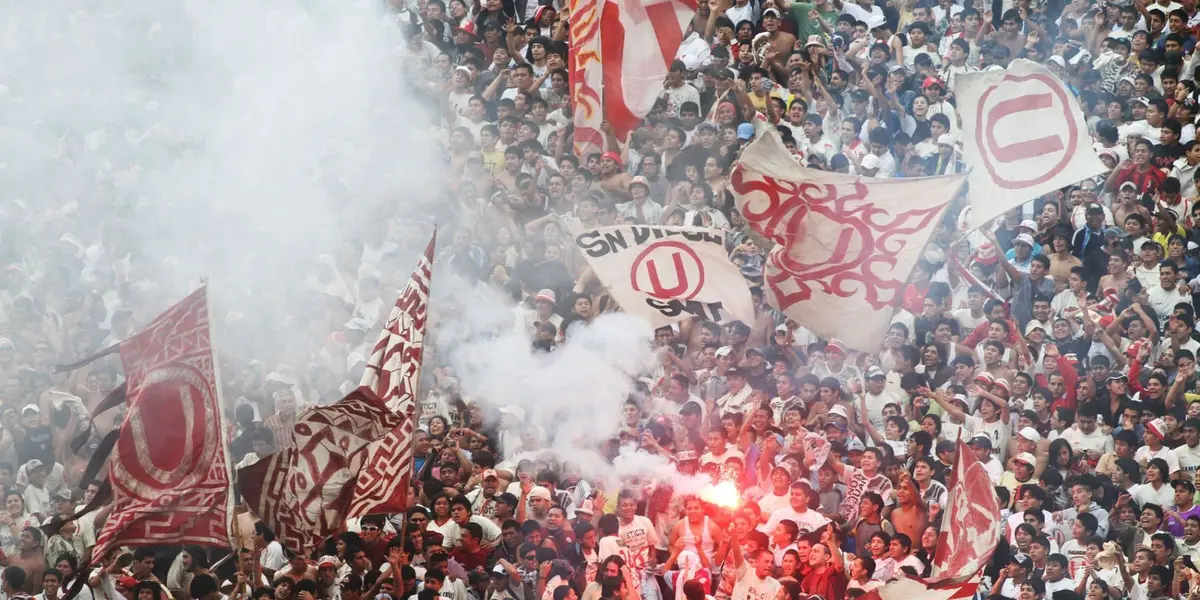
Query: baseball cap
{"x": 1187, "y": 485}
{"x": 63, "y": 494}
{"x": 326, "y": 561}
{"x": 1117, "y": 376}
{"x": 1003, "y": 383}
{"x": 735, "y": 372}
{"x": 639, "y": 180}
{"x": 745, "y": 131}
{"x": 946, "y": 139}
{"x": 835, "y": 345}
{"x": 931, "y": 81}
{"x": 31, "y": 408}
{"x": 1025, "y": 238}
{"x": 490, "y": 473}
{"x": 870, "y": 161}
{"x": 854, "y": 445}
{"x": 539, "y": 492}
{"x": 724, "y": 351}
{"x": 1028, "y": 224}
{"x": 1157, "y": 427}
{"x": 982, "y": 441}
{"x": 1034, "y": 324}
{"x": 771, "y": 11}
{"x": 546, "y": 295}
{"x": 1026, "y": 458}
{"x": 758, "y": 351}
{"x": 1030, "y": 434}
{"x": 840, "y": 411}
{"x": 508, "y": 498}
{"x": 874, "y": 372}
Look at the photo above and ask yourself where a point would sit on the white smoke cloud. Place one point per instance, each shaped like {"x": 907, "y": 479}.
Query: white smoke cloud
{"x": 240, "y": 140}
{"x": 224, "y": 139}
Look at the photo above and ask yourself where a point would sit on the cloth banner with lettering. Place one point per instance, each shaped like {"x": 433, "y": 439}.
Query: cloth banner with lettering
{"x": 845, "y": 245}
{"x": 394, "y": 372}
{"x": 302, "y": 492}
{"x": 667, "y": 274}
{"x": 1024, "y": 135}
{"x": 169, "y": 469}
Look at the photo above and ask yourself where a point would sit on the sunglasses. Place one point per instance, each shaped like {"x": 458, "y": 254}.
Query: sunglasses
{"x": 370, "y": 528}
{"x": 531, "y": 557}
{"x": 419, "y": 520}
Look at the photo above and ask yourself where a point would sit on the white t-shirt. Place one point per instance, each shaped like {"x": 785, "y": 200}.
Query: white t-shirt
{"x": 807, "y": 521}
{"x": 639, "y": 536}
{"x": 1144, "y": 454}
{"x": 750, "y": 587}
{"x": 1083, "y": 442}
{"x": 273, "y": 558}
{"x": 1188, "y": 459}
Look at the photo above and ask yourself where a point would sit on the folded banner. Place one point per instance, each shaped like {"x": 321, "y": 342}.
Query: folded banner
{"x": 587, "y": 77}
{"x": 170, "y": 483}
{"x": 394, "y": 373}
{"x": 302, "y": 492}
{"x": 845, "y": 245}
{"x": 667, "y": 274}
{"x": 1024, "y": 135}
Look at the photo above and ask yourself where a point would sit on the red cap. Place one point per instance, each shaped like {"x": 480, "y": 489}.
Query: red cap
{"x": 932, "y": 81}
{"x": 613, "y": 155}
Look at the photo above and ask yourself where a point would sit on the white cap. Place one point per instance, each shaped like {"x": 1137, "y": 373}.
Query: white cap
{"x": 870, "y": 161}
{"x": 1034, "y": 324}
{"x": 946, "y": 139}
{"x": 1030, "y": 434}
{"x": 724, "y": 351}
{"x": 1026, "y": 458}
{"x": 1025, "y": 238}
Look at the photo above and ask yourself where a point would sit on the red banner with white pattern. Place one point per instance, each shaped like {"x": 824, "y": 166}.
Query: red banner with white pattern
{"x": 394, "y": 373}
{"x": 170, "y": 484}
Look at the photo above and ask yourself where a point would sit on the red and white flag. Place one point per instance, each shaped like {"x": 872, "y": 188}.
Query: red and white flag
{"x": 620, "y": 54}
{"x": 302, "y": 492}
{"x": 845, "y": 245}
{"x": 914, "y": 589}
{"x": 1024, "y": 135}
{"x": 970, "y": 524}
{"x": 170, "y": 484}
{"x": 394, "y": 372}
{"x": 967, "y": 541}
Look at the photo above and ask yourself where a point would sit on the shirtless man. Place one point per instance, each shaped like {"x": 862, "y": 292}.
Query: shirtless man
{"x": 910, "y": 516}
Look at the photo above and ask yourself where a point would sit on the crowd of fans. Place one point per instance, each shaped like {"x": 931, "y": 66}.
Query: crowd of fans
{"x": 1060, "y": 341}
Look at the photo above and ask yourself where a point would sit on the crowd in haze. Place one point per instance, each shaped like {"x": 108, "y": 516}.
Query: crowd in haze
{"x": 1067, "y": 357}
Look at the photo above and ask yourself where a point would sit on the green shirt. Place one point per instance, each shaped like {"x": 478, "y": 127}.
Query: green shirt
{"x": 806, "y": 27}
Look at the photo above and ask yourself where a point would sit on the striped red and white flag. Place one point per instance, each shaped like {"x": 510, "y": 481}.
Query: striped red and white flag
{"x": 620, "y": 54}
{"x": 394, "y": 372}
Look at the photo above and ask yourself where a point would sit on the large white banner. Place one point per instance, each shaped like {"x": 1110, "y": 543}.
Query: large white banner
{"x": 667, "y": 274}
{"x": 1024, "y": 135}
{"x": 846, "y": 245}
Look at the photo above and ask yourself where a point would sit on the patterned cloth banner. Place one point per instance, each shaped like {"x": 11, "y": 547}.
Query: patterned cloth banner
{"x": 170, "y": 483}
{"x": 845, "y": 245}
{"x": 394, "y": 373}
{"x": 302, "y": 492}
